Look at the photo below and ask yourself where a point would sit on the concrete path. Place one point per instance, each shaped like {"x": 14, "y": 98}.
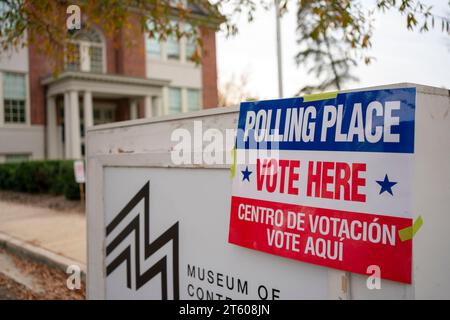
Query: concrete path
{"x": 63, "y": 233}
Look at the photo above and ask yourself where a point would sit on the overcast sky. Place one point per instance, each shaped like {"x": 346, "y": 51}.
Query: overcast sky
{"x": 401, "y": 55}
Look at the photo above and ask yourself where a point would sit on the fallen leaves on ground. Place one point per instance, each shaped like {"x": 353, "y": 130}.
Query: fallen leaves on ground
{"x": 52, "y": 280}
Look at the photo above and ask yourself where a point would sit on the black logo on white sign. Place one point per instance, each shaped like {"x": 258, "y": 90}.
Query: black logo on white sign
{"x": 160, "y": 267}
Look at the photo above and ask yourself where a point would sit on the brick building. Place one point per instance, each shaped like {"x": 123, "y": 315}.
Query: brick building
{"x": 42, "y": 116}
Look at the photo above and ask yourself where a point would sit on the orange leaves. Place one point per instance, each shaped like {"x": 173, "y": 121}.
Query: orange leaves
{"x": 366, "y": 41}
{"x": 45, "y": 21}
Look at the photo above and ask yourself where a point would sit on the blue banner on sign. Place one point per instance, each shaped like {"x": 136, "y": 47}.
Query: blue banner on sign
{"x": 365, "y": 121}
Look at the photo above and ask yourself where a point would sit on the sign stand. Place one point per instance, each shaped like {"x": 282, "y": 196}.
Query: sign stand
{"x": 82, "y": 196}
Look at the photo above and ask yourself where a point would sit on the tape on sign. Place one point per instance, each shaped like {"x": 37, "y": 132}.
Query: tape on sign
{"x": 320, "y": 96}
{"x": 233, "y": 162}
{"x": 410, "y": 232}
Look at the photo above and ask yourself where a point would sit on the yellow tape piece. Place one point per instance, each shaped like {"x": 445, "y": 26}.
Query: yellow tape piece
{"x": 233, "y": 163}
{"x": 409, "y": 232}
{"x": 320, "y": 96}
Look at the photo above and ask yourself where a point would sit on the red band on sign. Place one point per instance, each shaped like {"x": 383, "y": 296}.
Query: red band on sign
{"x": 344, "y": 240}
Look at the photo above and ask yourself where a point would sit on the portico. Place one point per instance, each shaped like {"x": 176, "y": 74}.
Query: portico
{"x": 77, "y": 100}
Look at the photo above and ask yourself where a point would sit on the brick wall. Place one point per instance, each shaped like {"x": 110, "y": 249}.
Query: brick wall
{"x": 123, "y": 110}
{"x": 39, "y": 66}
{"x": 209, "y": 68}
{"x": 125, "y": 53}
{"x": 112, "y": 52}
{"x": 131, "y": 52}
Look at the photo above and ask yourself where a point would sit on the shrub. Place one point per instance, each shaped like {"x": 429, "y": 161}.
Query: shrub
{"x": 7, "y": 174}
{"x": 52, "y": 176}
{"x": 66, "y": 181}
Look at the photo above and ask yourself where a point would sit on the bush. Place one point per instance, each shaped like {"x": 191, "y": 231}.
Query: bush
{"x": 66, "y": 181}
{"x": 52, "y": 176}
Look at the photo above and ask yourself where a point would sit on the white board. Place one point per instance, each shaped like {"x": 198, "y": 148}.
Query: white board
{"x": 174, "y": 196}
{"x": 123, "y": 157}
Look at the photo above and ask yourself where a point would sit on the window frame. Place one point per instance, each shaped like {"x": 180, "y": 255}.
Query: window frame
{"x": 189, "y": 58}
{"x": 103, "y": 62}
{"x": 169, "y": 104}
{"x": 179, "y": 44}
{"x": 84, "y": 51}
{"x": 19, "y": 157}
{"x": 199, "y": 92}
{"x": 15, "y": 110}
{"x": 157, "y": 41}
{"x": 27, "y": 122}
{"x": 189, "y": 41}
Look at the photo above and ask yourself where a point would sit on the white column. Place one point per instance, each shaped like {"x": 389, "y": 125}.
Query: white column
{"x": 133, "y": 109}
{"x": 88, "y": 111}
{"x": 148, "y": 107}
{"x": 75, "y": 125}
{"x": 156, "y": 106}
{"x": 165, "y": 101}
{"x": 52, "y": 130}
{"x": 67, "y": 131}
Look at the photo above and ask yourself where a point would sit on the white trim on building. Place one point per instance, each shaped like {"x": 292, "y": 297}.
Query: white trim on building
{"x": 84, "y": 87}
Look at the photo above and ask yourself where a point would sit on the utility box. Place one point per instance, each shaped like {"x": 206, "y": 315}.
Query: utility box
{"x": 158, "y": 225}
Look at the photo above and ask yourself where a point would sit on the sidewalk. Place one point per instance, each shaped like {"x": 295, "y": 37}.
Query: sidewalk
{"x": 63, "y": 233}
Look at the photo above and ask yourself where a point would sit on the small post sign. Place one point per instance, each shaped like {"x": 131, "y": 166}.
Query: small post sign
{"x": 327, "y": 181}
{"x": 80, "y": 178}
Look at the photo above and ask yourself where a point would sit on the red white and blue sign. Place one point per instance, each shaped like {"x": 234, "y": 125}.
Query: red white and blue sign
{"x": 327, "y": 181}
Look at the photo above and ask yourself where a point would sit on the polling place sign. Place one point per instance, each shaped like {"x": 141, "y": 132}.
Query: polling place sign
{"x": 327, "y": 180}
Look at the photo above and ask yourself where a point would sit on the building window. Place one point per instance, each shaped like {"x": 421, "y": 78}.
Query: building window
{"x": 152, "y": 43}
{"x": 173, "y": 48}
{"x": 176, "y": 3}
{"x": 85, "y": 52}
{"x": 174, "y": 100}
{"x": 12, "y": 158}
{"x": 190, "y": 49}
{"x": 14, "y": 97}
{"x": 190, "y": 43}
{"x": 96, "y": 56}
{"x": 73, "y": 57}
{"x": 193, "y": 99}
{"x": 153, "y": 47}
